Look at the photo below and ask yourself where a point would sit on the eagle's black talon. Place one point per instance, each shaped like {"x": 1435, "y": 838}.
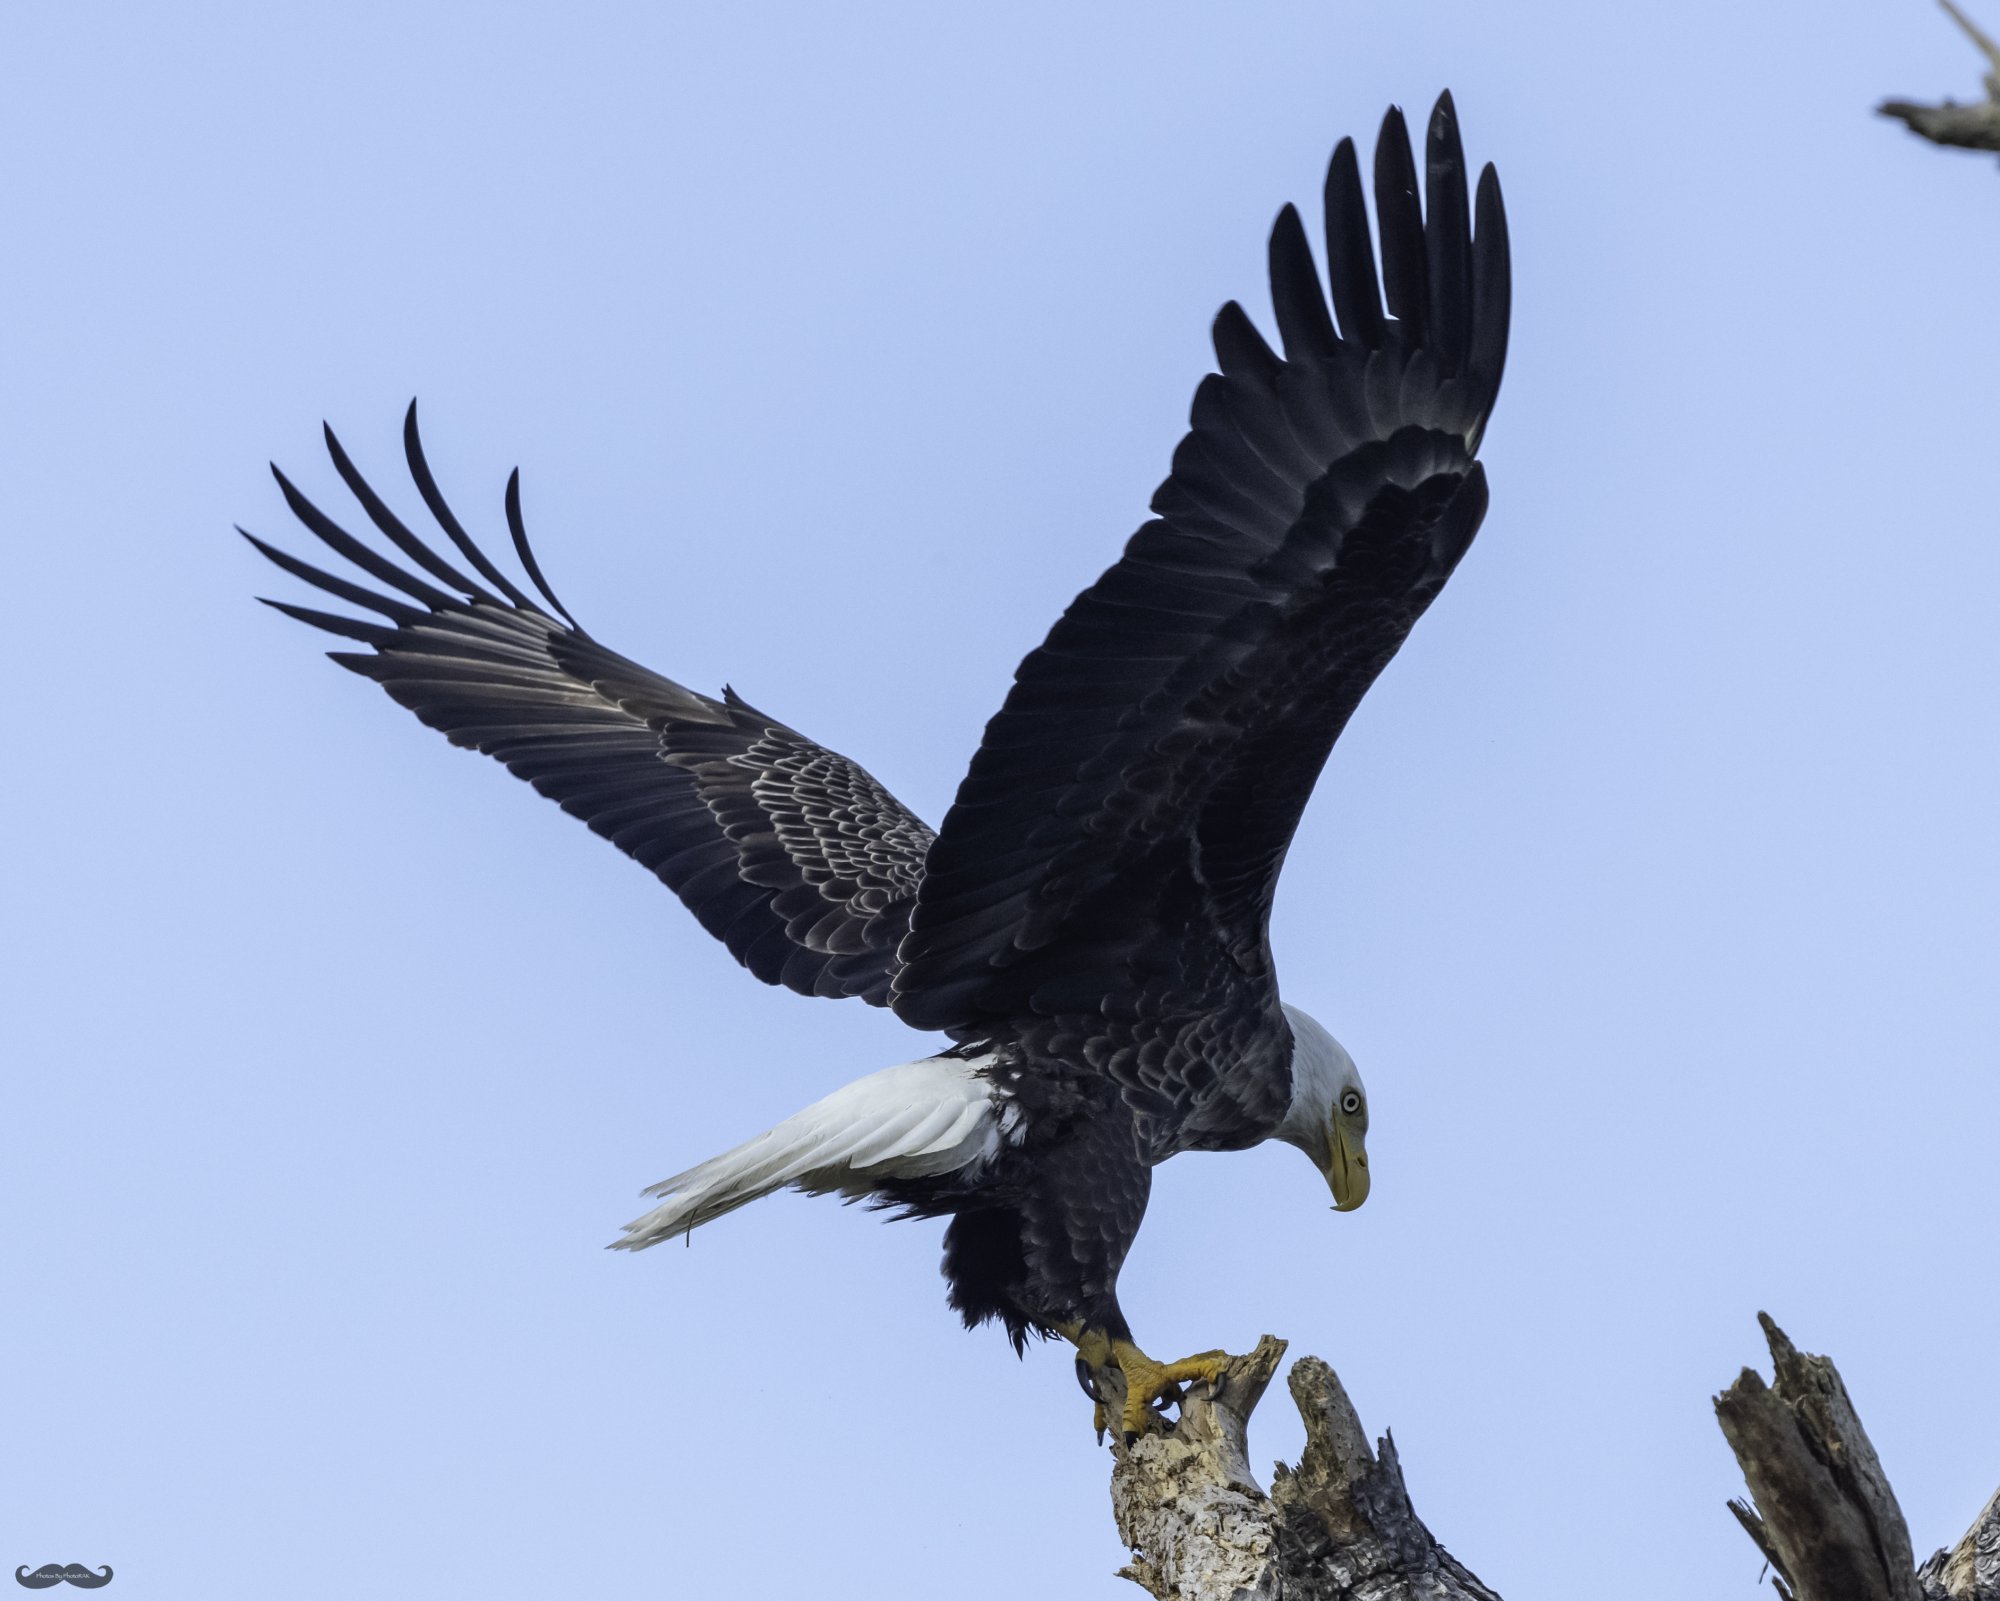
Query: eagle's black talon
{"x": 1088, "y": 1380}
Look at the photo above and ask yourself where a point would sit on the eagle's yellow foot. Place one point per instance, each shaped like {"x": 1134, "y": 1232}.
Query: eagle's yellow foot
{"x": 1146, "y": 1382}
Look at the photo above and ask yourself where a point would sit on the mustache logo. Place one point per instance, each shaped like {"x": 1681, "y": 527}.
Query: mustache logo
{"x": 50, "y": 1574}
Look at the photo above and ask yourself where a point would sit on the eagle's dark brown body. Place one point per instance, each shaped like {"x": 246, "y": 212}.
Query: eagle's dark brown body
{"x": 1090, "y": 921}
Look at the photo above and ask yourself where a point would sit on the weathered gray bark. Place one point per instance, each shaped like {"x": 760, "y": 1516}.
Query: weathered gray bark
{"x": 1338, "y": 1527}
{"x": 1970, "y": 127}
{"x": 1970, "y": 1570}
{"x": 1824, "y": 1515}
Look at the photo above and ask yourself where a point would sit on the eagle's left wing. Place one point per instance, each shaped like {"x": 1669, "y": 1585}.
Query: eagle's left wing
{"x": 790, "y": 854}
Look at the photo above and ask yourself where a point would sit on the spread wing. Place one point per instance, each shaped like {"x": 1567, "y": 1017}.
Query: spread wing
{"x": 1116, "y": 842}
{"x": 789, "y": 853}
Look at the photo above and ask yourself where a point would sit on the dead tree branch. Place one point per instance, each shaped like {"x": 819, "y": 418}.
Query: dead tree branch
{"x": 1824, "y": 1516}
{"x": 1337, "y": 1527}
{"x": 1340, "y": 1526}
{"x": 1970, "y": 127}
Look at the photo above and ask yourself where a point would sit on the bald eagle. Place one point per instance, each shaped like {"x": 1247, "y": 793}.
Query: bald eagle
{"x": 1090, "y": 924}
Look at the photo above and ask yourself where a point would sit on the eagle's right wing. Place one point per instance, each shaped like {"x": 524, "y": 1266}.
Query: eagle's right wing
{"x": 1121, "y": 829}
{"x": 789, "y": 853}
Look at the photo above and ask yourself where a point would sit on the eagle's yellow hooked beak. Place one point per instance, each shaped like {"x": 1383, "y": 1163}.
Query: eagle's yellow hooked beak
{"x": 1347, "y": 1169}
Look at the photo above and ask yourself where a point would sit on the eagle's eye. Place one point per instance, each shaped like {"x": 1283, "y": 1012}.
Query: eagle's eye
{"x": 1350, "y": 1102}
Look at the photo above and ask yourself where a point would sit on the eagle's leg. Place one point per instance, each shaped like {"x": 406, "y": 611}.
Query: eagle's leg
{"x": 1146, "y": 1381}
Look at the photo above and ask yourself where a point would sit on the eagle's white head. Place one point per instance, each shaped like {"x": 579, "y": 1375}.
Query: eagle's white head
{"x": 1328, "y": 1117}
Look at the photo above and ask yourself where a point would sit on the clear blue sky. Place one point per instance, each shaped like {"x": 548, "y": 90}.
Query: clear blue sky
{"x": 1653, "y": 887}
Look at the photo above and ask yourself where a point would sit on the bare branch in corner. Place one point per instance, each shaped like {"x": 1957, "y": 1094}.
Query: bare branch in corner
{"x": 1975, "y": 126}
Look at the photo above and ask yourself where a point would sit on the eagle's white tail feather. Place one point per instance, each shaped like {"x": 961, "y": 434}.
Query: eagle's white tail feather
{"x": 917, "y": 1120}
